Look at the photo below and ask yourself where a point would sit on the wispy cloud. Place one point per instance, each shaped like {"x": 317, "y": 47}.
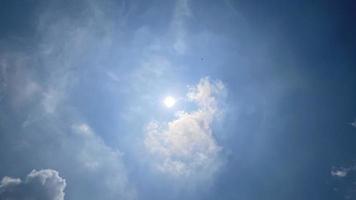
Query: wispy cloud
{"x": 182, "y": 12}
{"x": 83, "y": 129}
{"x": 39, "y": 84}
{"x": 42, "y": 184}
{"x": 353, "y": 123}
{"x": 186, "y": 145}
{"x": 346, "y": 180}
{"x": 342, "y": 172}
{"x": 99, "y": 161}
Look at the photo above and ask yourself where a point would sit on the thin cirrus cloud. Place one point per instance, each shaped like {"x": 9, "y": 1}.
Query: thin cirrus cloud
{"x": 186, "y": 145}
{"x": 182, "y": 12}
{"x": 44, "y": 184}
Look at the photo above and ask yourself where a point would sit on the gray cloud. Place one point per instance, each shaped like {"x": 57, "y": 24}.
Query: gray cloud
{"x": 186, "y": 146}
{"x": 44, "y": 184}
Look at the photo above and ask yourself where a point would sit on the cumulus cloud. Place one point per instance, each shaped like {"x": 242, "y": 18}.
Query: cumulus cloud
{"x": 186, "y": 145}
{"x": 44, "y": 184}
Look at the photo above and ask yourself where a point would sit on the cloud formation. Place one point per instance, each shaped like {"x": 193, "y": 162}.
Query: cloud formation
{"x": 353, "y": 123}
{"x": 182, "y": 12}
{"x": 38, "y": 86}
{"x": 186, "y": 145}
{"x": 44, "y": 184}
{"x": 102, "y": 163}
{"x": 342, "y": 172}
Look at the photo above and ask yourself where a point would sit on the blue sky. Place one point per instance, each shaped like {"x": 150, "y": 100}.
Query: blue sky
{"x": 265, "y": 100}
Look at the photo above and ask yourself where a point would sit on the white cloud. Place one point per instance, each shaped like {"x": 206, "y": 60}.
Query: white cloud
{"x": 339, "y": 172}
{"x": 342, "y": 171}
{"x": 44, "y": 184}
{"x": 8, "y": 181}
{"x": 186, "y": 145}
{"x": 345, "y": 175}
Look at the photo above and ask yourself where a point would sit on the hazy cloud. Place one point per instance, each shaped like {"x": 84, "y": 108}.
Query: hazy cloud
{"x": 182, "y": 11}
{"x": 82, "y": 129}
{"x": 353, "y": 123}
{"x": 101, "y": 162}
{"x": 186, "y": 145}
{"x": 41, "y": 83}
{"x": 44, "y": 184}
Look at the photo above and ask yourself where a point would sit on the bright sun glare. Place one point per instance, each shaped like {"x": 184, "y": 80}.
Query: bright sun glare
{"x": 169, "y": 101}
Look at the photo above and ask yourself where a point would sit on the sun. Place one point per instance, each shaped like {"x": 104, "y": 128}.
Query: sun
{"x": 169, "y": 101}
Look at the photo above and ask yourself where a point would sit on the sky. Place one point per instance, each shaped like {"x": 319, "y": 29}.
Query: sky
{"x": 263, "y": 102}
